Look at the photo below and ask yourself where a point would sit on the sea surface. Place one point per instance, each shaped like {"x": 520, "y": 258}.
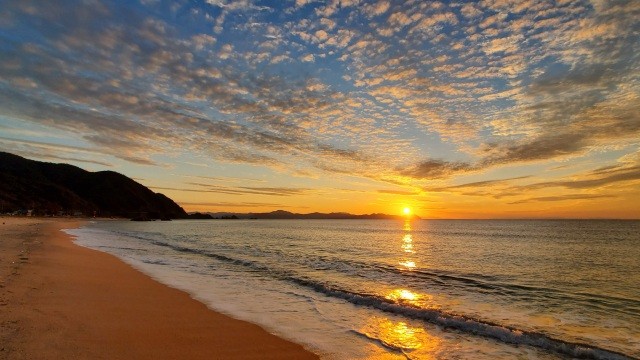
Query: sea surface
{"x": 390, "y": 289}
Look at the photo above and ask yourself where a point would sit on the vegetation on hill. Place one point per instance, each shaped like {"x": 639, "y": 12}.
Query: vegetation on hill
{"x": 59, "y": 189}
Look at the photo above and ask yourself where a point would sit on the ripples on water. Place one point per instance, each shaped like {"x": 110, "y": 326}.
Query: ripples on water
{"x": 420, "y": 289}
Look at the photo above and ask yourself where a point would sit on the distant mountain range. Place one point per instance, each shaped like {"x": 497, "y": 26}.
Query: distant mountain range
{"x": 57, "y": 189}
{"x": 282, "y": 214}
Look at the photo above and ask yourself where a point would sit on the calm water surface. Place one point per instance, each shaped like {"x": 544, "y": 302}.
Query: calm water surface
{"x": 424, "y": 289}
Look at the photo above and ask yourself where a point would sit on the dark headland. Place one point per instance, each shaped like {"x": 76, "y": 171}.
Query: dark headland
{"x": 41, "y": 188}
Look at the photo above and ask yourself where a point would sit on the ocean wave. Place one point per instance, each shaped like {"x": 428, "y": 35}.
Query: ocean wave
{"x": 457, "y": 322}
{"x": 474, "y": 282}
{"x": 469, "y": 325}
{"x": 376, "y": 340}
{"x": 607, "y": 303}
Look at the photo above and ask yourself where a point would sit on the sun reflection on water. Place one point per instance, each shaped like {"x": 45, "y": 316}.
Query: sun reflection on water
{"x": 407, "y": 244}
{"x": 403, "y": 295}
{"x": 407, "y": 247}
{"x": 408, "y": 264}
{"x": 401, "y": 336}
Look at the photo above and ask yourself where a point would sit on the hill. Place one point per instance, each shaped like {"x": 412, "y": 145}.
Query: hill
{"x": 282, "y": 214}
{"x": 50, "y": 189}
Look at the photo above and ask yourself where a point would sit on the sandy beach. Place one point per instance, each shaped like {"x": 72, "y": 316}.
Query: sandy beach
{"x": 62, "y": 301}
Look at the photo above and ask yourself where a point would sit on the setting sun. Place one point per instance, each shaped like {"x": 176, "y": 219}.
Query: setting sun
{"x": 406, "y": 211}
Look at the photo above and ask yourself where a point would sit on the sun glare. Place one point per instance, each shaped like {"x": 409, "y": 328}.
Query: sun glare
{"x": 407, "y": 211}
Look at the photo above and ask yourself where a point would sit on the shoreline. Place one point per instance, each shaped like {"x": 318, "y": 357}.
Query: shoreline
{"x": 59, "y": 300}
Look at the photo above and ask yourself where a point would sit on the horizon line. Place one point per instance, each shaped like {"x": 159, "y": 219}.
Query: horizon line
{"x": 414, "y": 216}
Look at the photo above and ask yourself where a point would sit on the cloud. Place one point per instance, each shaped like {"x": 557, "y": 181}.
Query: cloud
{"x": 477, "y": 184}
{"x": 377, "y": 9}
{"x": 566, "y": 197}
{"x": 470, "y": 11}
{"x": 51, "y": 157}
{"x": 127, "y": 122}
{"x": 226, "y": 178}
{"x": 279, "y": 191}
{"x": 237, "y": 5}
{"x": 399, "y": 19}
{"x": 63, "y": 152}
{"x": 226, "y": 205}
{"x": 593, "y": 180}
{"x": 571, "y": 129}
{"x": 428, "y": 24}
{"x": 399, "y": 192}
{"x": 308, "y": 58}
{"x": 435, "y": 169}
{"x": 506, "y": 45}
{"x": 370, "y": 89}
{"x": 209, "y": 188}
{"x": 301, "y": 3}
{"x": 321, "y": 35}
{"x": 540, "y": 148}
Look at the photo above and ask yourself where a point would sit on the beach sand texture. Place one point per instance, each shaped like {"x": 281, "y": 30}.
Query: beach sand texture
{"x": 62, "y": 301}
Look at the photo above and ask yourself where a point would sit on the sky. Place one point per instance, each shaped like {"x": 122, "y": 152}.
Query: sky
{"x": 487, "y": 109}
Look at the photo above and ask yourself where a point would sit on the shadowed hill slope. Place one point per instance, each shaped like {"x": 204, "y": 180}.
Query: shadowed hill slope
{"x": 49, "y": 188}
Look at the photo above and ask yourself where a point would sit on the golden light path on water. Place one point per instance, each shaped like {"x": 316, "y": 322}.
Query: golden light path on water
{"x": 407, "y": 244}
{"x": 404, "y": 296}
{"x": 407, "y": 263}
{"x": 404, "y": 338}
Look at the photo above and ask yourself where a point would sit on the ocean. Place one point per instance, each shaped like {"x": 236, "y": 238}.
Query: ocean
{"x": 390, "y": 289}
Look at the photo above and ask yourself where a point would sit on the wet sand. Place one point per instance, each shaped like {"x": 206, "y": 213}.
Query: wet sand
{"x": 59, "y": 300}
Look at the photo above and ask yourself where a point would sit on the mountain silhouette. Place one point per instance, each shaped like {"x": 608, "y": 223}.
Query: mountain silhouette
{"x": 53, "y": 189}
